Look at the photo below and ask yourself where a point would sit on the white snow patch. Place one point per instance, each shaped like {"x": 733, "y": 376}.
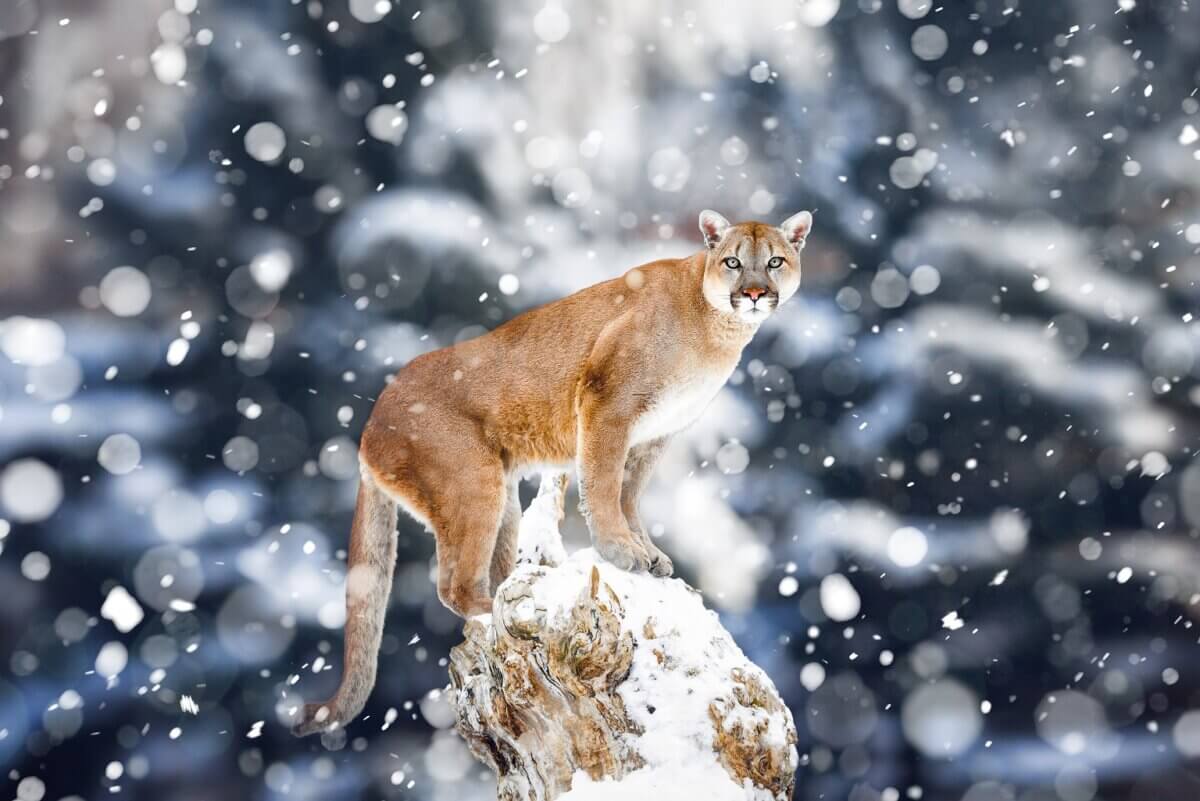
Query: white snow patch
{"x": 907, "y": 546}
{"x": 265, "y": 141}
{"x": 177, "y": 351}
{"x": 1155, "y": 464}
{"x": 112, "y": 659}
{"x": 812, "y": 676}
{"x": 119, "y": 454}
{"x": 122, "y": 609}
{"x": 539, "y": 541}
{"x": 271, "y": 269}
{"x": 30, "y": 490}
{"x": 32, "y": 342}
{"x": 839, "y": 599}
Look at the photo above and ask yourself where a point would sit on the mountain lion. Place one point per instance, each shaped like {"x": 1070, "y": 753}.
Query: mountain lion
{"x": 600, "y": 379}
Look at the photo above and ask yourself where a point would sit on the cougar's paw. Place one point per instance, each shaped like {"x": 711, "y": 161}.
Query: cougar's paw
{"x": 624, "y": 553}
{"x": 660, "y": 563}
{"x": 314, "y": 718}
{"x": 477, "y": 607}
{"x": 468, "y": 600}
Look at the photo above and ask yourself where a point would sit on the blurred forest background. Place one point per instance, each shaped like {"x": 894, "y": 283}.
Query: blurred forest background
{"x": 950, "y": 500}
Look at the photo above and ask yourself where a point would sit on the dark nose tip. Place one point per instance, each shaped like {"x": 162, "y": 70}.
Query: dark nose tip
{"x": 754, "y": 293}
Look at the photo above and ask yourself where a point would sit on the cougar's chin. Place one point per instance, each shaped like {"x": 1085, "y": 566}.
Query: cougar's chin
{"x": 753, "y": 313}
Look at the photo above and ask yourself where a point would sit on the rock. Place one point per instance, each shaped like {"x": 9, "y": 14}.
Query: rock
{"x": 588, "y": 682}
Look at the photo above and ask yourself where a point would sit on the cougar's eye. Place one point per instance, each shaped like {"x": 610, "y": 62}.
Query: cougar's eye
{"x": 775, "y": 263}
{"x": 733, "y": 263}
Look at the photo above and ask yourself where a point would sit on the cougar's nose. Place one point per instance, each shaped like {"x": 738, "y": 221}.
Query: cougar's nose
{"x": 754, "y": 293}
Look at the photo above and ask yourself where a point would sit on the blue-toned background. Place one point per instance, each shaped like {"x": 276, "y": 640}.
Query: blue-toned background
{"x": 950, "y": 501}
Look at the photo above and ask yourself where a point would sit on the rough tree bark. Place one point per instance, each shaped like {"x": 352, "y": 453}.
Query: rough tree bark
{"x": 587, "y": 682}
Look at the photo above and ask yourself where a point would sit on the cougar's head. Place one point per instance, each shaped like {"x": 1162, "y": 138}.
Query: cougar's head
{"x": 752, "y": 267}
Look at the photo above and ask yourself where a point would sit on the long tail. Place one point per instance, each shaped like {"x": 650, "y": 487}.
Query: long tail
{"x": 368, "y": 584}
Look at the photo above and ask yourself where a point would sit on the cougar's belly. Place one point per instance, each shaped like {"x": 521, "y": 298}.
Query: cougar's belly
{"x": 677, "y": 407}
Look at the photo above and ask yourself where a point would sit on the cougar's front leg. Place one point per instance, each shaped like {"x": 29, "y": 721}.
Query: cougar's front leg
{"x": 601, "y": 451}
{"x": 639, "y": 465}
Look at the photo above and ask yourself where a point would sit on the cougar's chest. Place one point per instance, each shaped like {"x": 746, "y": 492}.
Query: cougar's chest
{"x": 678, "y": 406}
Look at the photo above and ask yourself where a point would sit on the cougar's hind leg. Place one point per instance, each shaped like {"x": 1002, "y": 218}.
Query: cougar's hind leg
{"x": 504, "y": 557}
{"x": 466, "y": 525}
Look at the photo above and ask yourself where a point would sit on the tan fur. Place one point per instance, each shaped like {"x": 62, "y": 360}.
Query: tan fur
{"x": 601, "y": 378}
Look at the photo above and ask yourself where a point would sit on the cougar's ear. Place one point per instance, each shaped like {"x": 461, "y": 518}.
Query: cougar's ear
{"x": 795, "y": 229}
{"x": 713, "y": 226}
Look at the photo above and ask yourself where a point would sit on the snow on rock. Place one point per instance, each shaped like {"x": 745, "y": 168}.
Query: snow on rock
{"x": 587, "y": 682}
{"x": 539, "y": 541}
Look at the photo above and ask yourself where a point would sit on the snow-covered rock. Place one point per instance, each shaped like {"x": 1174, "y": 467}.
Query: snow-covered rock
{"x": 588, "y": 682}
{"x": 539, "y": 541}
